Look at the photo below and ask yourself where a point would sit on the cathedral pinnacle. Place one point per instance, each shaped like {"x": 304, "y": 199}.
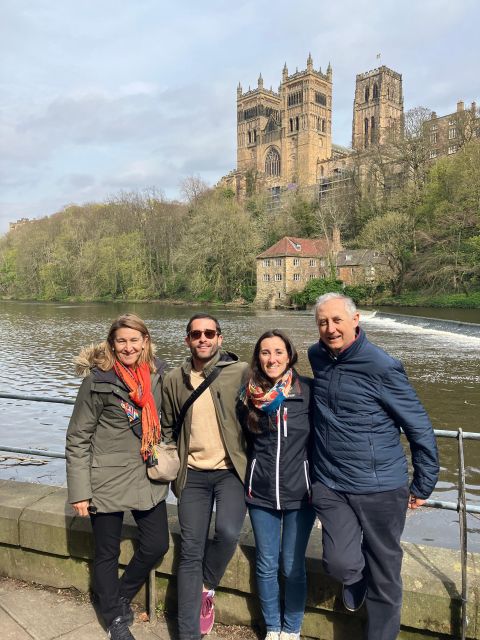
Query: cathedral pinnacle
{"x": 329, "y": 71}
{"x": 309, "y": 62}
{"x": 239, "y": 90}
{"x": 285, "y": 72}
{"x": 260, "y": 81}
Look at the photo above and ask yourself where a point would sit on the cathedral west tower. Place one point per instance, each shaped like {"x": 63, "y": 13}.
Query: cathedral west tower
{"x": 286, "y": 136}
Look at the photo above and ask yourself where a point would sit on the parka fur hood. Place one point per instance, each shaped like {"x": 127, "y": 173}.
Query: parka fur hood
{"x": 88, "y": 358}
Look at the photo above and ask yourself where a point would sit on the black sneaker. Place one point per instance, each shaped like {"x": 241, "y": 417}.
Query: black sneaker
{"x": 119, "y": 630}
{"x": 353, "y": 595}
{"x": 127, "y": 612}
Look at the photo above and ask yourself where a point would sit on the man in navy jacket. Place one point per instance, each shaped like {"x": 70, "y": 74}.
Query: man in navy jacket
{"x": 361, "y": 491}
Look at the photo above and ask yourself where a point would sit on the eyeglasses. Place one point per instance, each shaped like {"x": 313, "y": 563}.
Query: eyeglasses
{"x": 196, "y": 334}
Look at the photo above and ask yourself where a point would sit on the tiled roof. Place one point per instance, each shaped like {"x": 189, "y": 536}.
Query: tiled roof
{"x": 297, "y": 247}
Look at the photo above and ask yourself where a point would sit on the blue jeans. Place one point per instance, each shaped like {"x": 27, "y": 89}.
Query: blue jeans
{"x": 282, "y": 534}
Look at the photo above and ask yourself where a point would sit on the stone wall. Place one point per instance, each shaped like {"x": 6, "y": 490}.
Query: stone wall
{"x": 42, "y": 541}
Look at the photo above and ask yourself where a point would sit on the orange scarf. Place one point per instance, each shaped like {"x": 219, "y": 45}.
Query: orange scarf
{"x": 139, "y": 385}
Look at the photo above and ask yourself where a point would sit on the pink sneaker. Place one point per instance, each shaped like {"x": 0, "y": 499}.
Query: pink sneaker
{"x": 207, "y": 612}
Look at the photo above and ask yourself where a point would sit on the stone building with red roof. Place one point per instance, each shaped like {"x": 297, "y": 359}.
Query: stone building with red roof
{"x": 288, "y": 265}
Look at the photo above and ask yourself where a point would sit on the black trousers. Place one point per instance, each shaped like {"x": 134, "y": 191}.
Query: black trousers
{"x": 361, "y": 536}
{"x": 152, "y": 545}
{"x": 201, "y": 563}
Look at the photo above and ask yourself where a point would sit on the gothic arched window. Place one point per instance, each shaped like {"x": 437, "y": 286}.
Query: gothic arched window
{"x": 367, "y": 94}
{"x": 372, "y": 128}
{"x": 375, "y": 91}
{"x": 272, "y": 162}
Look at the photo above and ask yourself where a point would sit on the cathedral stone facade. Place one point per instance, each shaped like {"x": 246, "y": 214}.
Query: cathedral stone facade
{"x": 284, "y": 138}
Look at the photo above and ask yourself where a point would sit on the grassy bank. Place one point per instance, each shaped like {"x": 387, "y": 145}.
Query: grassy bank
{"x": 445, "y": 300}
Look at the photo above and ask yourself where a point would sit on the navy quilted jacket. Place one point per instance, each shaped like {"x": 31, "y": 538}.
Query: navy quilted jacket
{"x": 362, "y": 397}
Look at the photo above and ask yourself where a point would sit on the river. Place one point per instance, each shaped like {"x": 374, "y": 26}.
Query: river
{"x": 441, "y": 357}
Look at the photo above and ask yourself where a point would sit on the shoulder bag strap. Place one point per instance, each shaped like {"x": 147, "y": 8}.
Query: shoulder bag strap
{"x": 191, "y": 399}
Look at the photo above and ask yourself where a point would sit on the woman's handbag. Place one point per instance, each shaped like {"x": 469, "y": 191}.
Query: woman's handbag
{"x": 164, "y": 463}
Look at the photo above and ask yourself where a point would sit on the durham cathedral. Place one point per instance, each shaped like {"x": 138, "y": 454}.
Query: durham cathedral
{"x": 284, "y": 139}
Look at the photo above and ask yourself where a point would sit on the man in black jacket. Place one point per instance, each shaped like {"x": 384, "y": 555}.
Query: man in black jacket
{"x": 362, "y": 398}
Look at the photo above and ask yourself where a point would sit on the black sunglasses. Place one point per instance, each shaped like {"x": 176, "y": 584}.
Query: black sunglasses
{"x": 196, "y": 334}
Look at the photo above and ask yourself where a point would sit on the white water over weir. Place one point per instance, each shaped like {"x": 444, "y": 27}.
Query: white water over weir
{"x": 437, "y": 324}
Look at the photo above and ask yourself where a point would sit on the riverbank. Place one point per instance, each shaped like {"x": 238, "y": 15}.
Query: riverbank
{"x": 435, "y": 301}
{"x": 411, "y": 299}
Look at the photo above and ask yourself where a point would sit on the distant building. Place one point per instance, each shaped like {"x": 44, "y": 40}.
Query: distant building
{"x": 284, "y": 137}
{"x": 362, "y": 266}
{"x": 19, "y": 223}
{"x": 288, "y": 265}
{"x": 447, "y": 134}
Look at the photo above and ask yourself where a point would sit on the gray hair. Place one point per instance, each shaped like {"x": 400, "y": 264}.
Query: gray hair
{"x": 333, "y": 295}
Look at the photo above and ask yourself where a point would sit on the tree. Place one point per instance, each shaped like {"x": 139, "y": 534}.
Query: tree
{"x": 215, "y": 259}
{"x": 451, "y": 209}
{"x": 390, "y": 234}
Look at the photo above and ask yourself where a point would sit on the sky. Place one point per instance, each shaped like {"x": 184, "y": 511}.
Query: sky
{"x": 99, "y": 97}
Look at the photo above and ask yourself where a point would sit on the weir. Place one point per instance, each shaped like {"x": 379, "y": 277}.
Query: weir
{"x": 438, "y": 324}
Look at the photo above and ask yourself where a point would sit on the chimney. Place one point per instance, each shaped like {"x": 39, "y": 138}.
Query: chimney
{"x": 460, "y": 105}
{"x": 336, "y": 240}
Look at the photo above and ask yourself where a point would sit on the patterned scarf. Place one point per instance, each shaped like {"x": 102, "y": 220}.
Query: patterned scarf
{"x": 269, "y": 401}
{"x": 138, "y": 383}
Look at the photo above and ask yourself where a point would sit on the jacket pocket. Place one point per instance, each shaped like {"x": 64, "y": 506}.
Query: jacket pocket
{"x": 110, "y": 460}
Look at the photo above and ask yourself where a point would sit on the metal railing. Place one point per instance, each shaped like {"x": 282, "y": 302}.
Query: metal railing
{"x": 460, "y": 506}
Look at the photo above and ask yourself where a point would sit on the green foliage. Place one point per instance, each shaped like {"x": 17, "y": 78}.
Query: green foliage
{"x": 318, "y": 286}
{"x": 418, "y": 299}
{"x": 314, "y": 288}
{"x": 425, "y": 218}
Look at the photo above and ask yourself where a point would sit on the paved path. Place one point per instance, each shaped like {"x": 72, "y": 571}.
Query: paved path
{"x": 31, "y": 612}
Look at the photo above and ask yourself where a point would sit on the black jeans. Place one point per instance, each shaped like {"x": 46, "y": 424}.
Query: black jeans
{"x": 201, "y": 563}
{"x": 361, "y": 536}
{"x": 152, "y": 545}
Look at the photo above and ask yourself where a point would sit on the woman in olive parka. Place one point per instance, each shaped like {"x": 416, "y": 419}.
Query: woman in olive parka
{"x": 114, "y": 426}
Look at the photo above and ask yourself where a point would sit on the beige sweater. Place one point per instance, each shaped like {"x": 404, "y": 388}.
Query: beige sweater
{"x": 207, "y": 450}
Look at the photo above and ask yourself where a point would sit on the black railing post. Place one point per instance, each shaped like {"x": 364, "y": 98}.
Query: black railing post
{"x": 462, "y": 517}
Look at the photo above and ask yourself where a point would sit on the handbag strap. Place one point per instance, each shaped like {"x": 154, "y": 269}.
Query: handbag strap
{"x": 191, "y": 399}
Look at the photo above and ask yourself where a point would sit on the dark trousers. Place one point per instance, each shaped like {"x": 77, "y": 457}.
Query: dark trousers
{"x": 201, "y": 563}
{"x": 152, "y": 545}
{"x": 361, "y": 536}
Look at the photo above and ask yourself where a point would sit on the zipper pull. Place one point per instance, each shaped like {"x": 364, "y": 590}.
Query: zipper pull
{"x": 285, "y": 412}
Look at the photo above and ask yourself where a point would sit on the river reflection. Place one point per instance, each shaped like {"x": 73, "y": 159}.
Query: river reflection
{"x": 40, "y": 340}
